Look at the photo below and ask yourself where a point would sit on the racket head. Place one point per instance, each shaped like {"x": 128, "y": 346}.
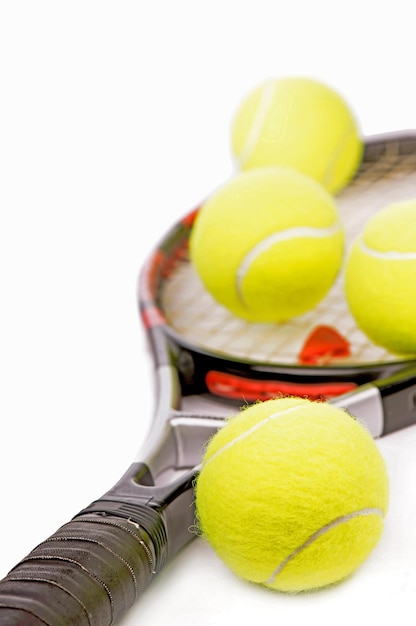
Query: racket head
{"x": 320, "y": 354}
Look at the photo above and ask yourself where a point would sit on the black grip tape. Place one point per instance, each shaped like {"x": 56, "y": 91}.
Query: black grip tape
{"x": 87, "y": 574}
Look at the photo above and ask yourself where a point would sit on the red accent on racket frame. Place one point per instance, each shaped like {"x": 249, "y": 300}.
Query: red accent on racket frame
{"x": 236, "y": 387}
{"x": 190, "y": 218}
{"x": 152, "y": 317}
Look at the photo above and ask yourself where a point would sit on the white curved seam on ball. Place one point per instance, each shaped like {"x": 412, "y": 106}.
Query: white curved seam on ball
{"x": 251, "y": 430}
{"x": 308, "y": 232}
{"x": 256, "y": 128}
{"x": 319, "y": 533}
{"x": 388, "y": 255}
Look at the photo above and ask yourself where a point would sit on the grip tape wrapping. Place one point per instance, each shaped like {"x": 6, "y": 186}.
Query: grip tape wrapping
{"x": 87, "y": 574}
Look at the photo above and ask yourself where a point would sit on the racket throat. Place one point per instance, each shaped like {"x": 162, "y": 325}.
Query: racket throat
{"x": 164, "y": 515}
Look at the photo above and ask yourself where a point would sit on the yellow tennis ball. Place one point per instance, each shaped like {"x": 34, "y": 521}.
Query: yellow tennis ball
{"x": 299, "y": 123}
{"x": 380, "y": 278}
{"x": 268, "y": 244}
{"x": 292, "y": 494}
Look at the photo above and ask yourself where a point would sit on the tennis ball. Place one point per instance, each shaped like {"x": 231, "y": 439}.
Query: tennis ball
{"x": 299, "y": 123}
{"x": 292, "y": 494}
{"x": 380, "y": 278}
{"x": 268, "y": 244}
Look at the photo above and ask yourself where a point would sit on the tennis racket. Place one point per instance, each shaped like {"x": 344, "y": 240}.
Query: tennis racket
{"x": 207, "y": 363}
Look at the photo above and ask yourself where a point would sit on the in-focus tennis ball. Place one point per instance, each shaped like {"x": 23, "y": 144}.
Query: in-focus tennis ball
{"x": 268, "y": 244}
{"x": 292, "y": 494}
{"x": 380, "y": 278}
{"x": 299, "y": 123}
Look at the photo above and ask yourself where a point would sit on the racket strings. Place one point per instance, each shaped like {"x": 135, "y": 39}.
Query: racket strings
{"x": 383, "y": 178}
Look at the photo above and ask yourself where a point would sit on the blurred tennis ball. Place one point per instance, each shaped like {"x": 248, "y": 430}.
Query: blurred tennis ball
{"x": 292, "y": 494}
{"x": 380, "y": 278}
{"x": 299, "y": 123}
{"x": 268, "y": 244}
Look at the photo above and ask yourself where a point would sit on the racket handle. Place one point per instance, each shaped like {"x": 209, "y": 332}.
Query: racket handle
{"x": 88, "y": 573}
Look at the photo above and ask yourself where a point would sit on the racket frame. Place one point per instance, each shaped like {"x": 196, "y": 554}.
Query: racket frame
{"x": 93, "y": 568}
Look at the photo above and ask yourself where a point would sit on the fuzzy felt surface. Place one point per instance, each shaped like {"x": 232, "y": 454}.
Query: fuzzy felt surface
{"x": 300, "y": 123}
{"x": 380, "y": 279}
{"x": 268, "y": 244}
{"x": 292, "y": 494}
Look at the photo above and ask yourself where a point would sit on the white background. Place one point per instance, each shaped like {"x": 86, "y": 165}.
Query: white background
{"x": 114, "y": 121}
